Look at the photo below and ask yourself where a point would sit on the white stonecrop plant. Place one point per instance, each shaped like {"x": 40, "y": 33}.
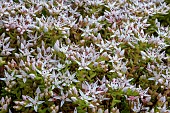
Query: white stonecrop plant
{"x": 83, "y": 56}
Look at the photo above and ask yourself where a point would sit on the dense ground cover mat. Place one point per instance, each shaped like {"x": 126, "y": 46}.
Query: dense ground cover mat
{"x": 84, "y": 56}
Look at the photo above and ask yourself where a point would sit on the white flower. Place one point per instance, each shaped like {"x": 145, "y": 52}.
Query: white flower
{"x": 4, "y": 102}
{"x": 84, "y": 96}
{"x": 6, "y": 49}
{"x": 115, "y": 84}
{"x": 156, "y": 78}
{"x": 161, "y": 100}
{"x": 83, "y": 64}
{"x": 60, "y": 66}
{"x": 34, "y": 102}
{"x": 163, "y": 109}
{"x": 115, "y": 58}
{"x": 143, "y": 93}
{"x": 87, "y": 31}
{"x": 60, "y": 47}
{"x": 63, "y": 97}
{"x": 8, "y": 77}
{"x": 44, "y": 71}
{"x": 119, "y": 67}
{"x": 56, "y": 82}
{"x": 69, "y": 78}
{"x": 24, "y": 75}
{"x": 137, "y": 106}
{"x": 104, "y": 46}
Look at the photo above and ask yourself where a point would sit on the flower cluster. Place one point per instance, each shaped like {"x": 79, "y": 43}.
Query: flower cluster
{"x": 84, "y": 56}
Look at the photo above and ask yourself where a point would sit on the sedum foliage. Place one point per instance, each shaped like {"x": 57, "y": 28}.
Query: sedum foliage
{"x": 84, "y": 56}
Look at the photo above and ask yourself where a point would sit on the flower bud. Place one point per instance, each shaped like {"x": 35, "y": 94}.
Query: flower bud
{"x": 100, "y": 110}
{"x": 68, "y": 41}
{"x": 13, "y": 12}
{"x": 19, "y": 29}
{"x": 16, "y": 102}
{"x": 10, "y": 86}
{"x": 6, "y": 25}
{"x": 46, "y": 93}
{"x": 50, "y": 11}
{"x": 106, "y": 111}
{"x": 6, "y": 88}
{"x": 82, "y": 41}
{"x": 16, "y": 107}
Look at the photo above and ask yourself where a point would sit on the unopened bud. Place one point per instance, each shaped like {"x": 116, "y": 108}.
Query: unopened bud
{"x": 10, "y": 86}
{"x": 16, "y": 107}
{"x": 16, "y": 102}
{"x": 82, "y": 41}
{"x": 68, "y": 41}
{"x": 13, "y": 12}
{"x": 106, "y": 111}
{"x": 100, "y": 110}
{"x": 13, "y": 83}
{"x": 46, "y": 94}
{"x": 93, "y": 110}
{"x": 19, "y": 29}
{"x": 6, "y": 88}
{"x": 6, "y": 25}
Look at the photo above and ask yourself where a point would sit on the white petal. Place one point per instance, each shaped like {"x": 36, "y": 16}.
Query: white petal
{"x": 143, "y": 53}
{"x": 75, "y": 110}
{"x": 112, "y": 71}
{"x": 57, "y": 97}
{"x": 78, "y": 62}
{"x": 73, "y": 99}
{"x": 38, "y": 91}
{"x": 40, "y": 102}
{"x": 3, "y": 79}
{"x": 152, "y": 78}
{"x": 56, "y": 46}
{"x": 5, "y": 106}
{"x": 9, "y": 111}
{"x": 100, "y": 110}
{"x": 32, "y": 76}
{"x": 122, "y": 52}
{"x": 87, "y": 68}
{"x": 91, "y": 106}
{"x": 68, "y": 100}
{"x": 19, "y": 76}
{"x": 6, "y": 39}
{"x": 80, "y": 68}
{"x": 62, "y": 102}
{"x": 30, "y": 99}
{"x": 28, "y": 105}
{"x": 22, "y": 46}
{"x": 50, "y": 99}
{"x": 36, "y": 108}
{"x": 2, "y": 100}
{"x": 24, "y": 80}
